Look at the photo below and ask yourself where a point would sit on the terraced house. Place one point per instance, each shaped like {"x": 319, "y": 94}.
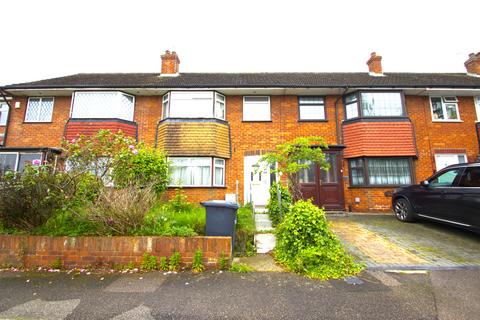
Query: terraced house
{"x": 384, "y": 129}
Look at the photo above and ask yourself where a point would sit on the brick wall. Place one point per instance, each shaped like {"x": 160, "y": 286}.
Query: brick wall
{"x": 31, "y": 251}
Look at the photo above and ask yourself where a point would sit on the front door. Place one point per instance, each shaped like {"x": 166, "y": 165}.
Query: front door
{"x": 324, "y": 187}
{"x": 257, "y": 182}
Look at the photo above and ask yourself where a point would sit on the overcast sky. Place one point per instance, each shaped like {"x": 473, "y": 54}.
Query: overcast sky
{"x": 43, "y": 39}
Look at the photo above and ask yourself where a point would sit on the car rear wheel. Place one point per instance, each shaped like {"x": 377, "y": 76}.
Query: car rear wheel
{"x": 403, "y": 210}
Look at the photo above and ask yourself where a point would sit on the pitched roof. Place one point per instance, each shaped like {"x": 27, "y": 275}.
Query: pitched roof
{"x": 255, "y": 80}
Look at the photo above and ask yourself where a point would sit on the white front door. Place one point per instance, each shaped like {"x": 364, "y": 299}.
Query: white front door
{"x": 257, "y": 183}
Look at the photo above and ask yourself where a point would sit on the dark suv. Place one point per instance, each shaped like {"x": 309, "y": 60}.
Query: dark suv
{"x": 452, "y": 196}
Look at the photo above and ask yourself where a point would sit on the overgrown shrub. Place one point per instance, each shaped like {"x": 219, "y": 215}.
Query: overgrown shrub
{"x": 29, "y": 199}
{"x": 273, "y": 207}
{"x": 149, "y": 262}
{"x": 121, "y": 211}
{"x": 245, "y": 231}
{"x": 67, "y": 223}
{"x": 141, "y": 167}
{"x": 306, "y": 245}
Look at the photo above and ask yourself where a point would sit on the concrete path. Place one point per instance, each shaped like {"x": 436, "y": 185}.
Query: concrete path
{"x": 383, "y": 242}
{"x": 264, "y": 239}
{"x": 372, "y": 295}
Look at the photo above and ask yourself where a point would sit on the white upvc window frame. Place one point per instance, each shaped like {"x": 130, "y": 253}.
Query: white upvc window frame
{"x": 456, "y": 155}
{"x": 217, "y": 102}
{"x": 477, "y": 107}
{"x": 17, "y": 157}
{"x": 168, "y": 104}
{"x": 444, "y": 108}
{"x": 318, "y": 104}
{"x": 4, "y": 110}
{"x": 250, "y": 118}
{"x": 41, "y": 100}
{"x": 221, "y": 166}
{"x": 131, "y": 116}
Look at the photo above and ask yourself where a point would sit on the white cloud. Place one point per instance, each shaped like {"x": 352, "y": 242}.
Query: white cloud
{"x": 44, "y": 39}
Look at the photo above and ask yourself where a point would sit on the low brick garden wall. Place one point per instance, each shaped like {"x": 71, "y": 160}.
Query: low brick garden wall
{"x": 33, "y": 251}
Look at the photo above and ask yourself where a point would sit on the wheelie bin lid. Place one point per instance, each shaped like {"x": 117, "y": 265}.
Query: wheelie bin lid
{"x": 220, "y": 203}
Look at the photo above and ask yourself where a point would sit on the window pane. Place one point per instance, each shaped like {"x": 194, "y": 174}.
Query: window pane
{"x": 389, "y": 171}
{"x": 33, "y": 109}
{"x": 330, "y": 175}
{"x": 351, "y": 98}
{"x": 310, "y": 100}
{"x": 46, "y": 110}
{"x": 445, "y": 179}
{"x": 7, "y": 162}
{"x": 445, "y": 160}
{"x": 312, "y": 112}
{"x": 382, "y": 104}
{"x": 477, "y": 106}
{"x": 219, "y": 172}
{"x": 437, "y": 109}
{"x": 256, "y": 110}
{"x": 3, "y": 114}
{"x": 307, "y": 175}
{"x": 191, "y": 171}
{"x": 220, "y": 110}
{"x": 352, "y": 110}
{"x": 356, "y": 172}
{"x": 451, "y": 109}
{"x": 28, "y": 159}
{"x": 106, "y": 105}
{"x": 470, "y": 178}
{"x": 191, "y": 104}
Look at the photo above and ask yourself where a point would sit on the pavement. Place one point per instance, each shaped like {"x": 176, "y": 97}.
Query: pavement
{"x": 380, "y": 241}
{"x": 450, "y": 294}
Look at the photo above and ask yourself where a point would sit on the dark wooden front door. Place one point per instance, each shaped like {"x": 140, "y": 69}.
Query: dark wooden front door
{"x": 325, "y": 188}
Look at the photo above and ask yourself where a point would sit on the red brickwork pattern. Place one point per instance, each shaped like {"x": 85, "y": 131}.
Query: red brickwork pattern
{"x": 74, "y": 128}
{"x": 30, "y": 251}
{"x": 378, "y": 139}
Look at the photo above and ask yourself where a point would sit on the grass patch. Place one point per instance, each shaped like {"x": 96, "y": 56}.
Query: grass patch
{"x": 241, "y": 268}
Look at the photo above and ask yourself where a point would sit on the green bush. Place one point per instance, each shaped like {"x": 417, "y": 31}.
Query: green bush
{"x": 140, "y": 166}
{"x": 29, "y": 199}
{"x": 306, "y": 245}
{"x": 245, "y": 232}
{"x": 197, "y": 264}
{"x": 68, "y": 223}
{"x": 149, "y": 262}
{"x": 175, "y": 261}
{"x": 163, "y": 264}
{"x": 223, "y": 262}
{"x": 273, "y": 207}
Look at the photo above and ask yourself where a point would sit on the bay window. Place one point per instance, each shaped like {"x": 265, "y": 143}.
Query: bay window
{"x": 311, "y": 108}
{"x": 380, "y": 171}
{"x": 103, "y": 105}
{"x": 374, "y": 104}
{"x": 39, "y": 110}
{"x": 193, "y": 104}
{"x": 444, "y": 109}
{"x": 197, "y": 172}
{"x": 256, "y": 108}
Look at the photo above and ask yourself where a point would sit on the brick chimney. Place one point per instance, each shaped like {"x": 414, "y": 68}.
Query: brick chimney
{"x": 375, "y": 65}
{"x": 473, "y": 64}
{"x": 170, "y": 63}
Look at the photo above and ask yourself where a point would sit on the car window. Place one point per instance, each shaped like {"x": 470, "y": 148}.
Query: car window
{"x": 445, "y": 179}
{"x": 470, "y": 178}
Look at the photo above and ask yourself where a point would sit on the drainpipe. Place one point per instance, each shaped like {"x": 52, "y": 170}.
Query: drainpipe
{"x": 337, "y": 128}
{"x": 4, "y": 97}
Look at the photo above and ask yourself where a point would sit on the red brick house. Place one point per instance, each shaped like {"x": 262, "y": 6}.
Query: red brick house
{"x": 384, "y": 129}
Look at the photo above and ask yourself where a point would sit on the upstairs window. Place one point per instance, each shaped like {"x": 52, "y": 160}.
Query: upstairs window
{"x": 39, "y": 110}
{"x": 103, "y": 105}
{"x": 311, "y": 108}
{"x": 256, "y": 108}
{"x": 374, "y": 104}
{"x": 3, "y": 113}
{"x": 193, "y": 104}
{"x": 444, "y": 109}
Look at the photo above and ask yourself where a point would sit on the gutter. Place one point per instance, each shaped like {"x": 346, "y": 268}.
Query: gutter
{"x": 4, "y": 97}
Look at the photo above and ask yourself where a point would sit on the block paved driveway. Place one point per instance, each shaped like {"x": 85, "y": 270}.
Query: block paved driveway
{"x": 383, "y": 242}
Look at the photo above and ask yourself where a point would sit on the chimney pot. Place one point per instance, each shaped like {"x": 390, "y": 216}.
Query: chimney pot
{"x": 473, "y": 64}
{"x": 375, "y": 64}
{"x": 170, "y": 63}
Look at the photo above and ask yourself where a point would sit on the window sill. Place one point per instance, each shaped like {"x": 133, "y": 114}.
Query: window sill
{"x": 197, "y": 187}
{"x": 378, "y": 186}
{"x": 34, "y": 122}
{"x": 312, "y": 120}
{"x": 255, "y": 121}
{"x": 447, "y": 121}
